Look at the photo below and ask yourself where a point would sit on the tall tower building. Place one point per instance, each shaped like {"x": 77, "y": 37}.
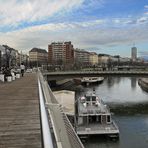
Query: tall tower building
{"x": 134, "y": 54}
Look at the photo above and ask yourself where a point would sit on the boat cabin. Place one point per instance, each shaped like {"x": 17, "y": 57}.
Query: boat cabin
{"x": 94, "y": 117}
{"x": 93, "y": 110}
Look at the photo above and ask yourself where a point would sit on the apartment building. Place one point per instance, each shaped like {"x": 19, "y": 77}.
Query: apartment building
{"x": 81, "y": 56}
{"x": 103, "y": 59}
{"x": 93, "y": 58}
{"x": 60, "y": 53}
{"x": 38, "y": 56}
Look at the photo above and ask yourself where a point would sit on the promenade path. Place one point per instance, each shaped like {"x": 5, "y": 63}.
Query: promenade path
{"x": 19, "y": 113}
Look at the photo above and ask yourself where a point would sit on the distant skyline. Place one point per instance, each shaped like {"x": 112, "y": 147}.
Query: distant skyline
{"x": 102, "y": 26}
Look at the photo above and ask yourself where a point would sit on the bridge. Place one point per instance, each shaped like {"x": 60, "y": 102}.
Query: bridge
{"x": 71, "y": 74}
{"x": 31, "y": 117}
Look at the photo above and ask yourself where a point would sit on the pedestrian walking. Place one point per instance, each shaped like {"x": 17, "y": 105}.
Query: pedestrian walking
{"x": 22, "y": 69}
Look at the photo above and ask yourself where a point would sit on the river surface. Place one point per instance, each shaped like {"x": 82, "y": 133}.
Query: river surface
{"x": 129, "y": 105}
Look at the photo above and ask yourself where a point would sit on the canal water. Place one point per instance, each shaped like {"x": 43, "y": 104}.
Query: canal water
{"x": 129, "y": 106}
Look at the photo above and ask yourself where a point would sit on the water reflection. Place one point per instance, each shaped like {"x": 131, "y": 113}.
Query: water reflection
{"x": 133, "y": 82}
{"x": 112, "y": 80}
{"x": 116, "y": 90}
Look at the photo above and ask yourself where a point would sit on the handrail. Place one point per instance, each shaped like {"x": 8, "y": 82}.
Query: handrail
{"x": 64, "y": 134}
{"x": 61, "y": 73}
{"x": 46, "y": 133}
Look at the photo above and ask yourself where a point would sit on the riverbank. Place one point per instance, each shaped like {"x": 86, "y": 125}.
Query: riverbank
{"x": 143, "y": 82}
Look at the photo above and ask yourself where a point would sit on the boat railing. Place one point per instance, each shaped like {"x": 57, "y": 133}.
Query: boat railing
{"x": 115, "y": 125}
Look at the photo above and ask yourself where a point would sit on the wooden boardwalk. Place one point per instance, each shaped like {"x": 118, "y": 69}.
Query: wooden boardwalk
{"x": 19, "y": 113}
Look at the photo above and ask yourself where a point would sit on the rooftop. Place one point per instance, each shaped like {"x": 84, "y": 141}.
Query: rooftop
{"x": 38, "y": 50}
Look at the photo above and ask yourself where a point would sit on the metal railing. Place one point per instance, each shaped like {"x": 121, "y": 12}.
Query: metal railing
{"x": 64, "y": 134}
{"x": 62, "y": 73}
{"x": 46, "y": 132}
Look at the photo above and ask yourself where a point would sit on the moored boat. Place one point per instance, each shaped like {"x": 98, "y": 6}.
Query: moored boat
{"x": 94, "y": 117}
{"x": 88, "y": 80}
{"x": 143, "y": 83}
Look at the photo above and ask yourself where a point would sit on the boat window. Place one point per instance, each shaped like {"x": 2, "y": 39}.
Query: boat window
{"x": 88, "y": 98}
{"x": 93, "y": 98}
{"x": 80, "y": 121}
{"x": 84, "y": 120}
{"x": 108, "y": 118}
{"x": 99, "y": 118}
{"x": 93, "y": 119}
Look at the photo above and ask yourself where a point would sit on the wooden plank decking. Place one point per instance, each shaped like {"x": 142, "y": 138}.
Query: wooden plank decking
{"x": 19, "y": 113}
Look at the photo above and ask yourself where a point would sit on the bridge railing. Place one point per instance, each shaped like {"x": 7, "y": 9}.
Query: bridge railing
{"x": 119, "y": 72}
{"x": 46, "y": 132}
{"x": 65, "y": 135}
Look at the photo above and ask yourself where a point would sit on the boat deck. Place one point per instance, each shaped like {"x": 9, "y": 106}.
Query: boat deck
{"x": 97, "y": 129}
{"x": 94, "y": 117}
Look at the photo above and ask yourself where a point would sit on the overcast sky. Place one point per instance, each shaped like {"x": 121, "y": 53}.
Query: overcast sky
{"x": 103, "y": 26}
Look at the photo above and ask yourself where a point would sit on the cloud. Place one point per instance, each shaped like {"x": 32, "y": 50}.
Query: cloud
{"x": 82, "y": 34}
{"x": 146, "y": 6}
{"x": 14, "y": 12}
{"x": 97, "y": 33}
{"x": 142, "y": 19}
{"x": 146, "y": 13}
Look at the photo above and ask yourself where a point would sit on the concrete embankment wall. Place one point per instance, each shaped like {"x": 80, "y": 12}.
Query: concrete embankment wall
{"x": 143, "y": 82}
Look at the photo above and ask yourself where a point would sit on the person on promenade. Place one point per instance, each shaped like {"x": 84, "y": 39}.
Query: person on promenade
{"x": 22, "y": 69}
